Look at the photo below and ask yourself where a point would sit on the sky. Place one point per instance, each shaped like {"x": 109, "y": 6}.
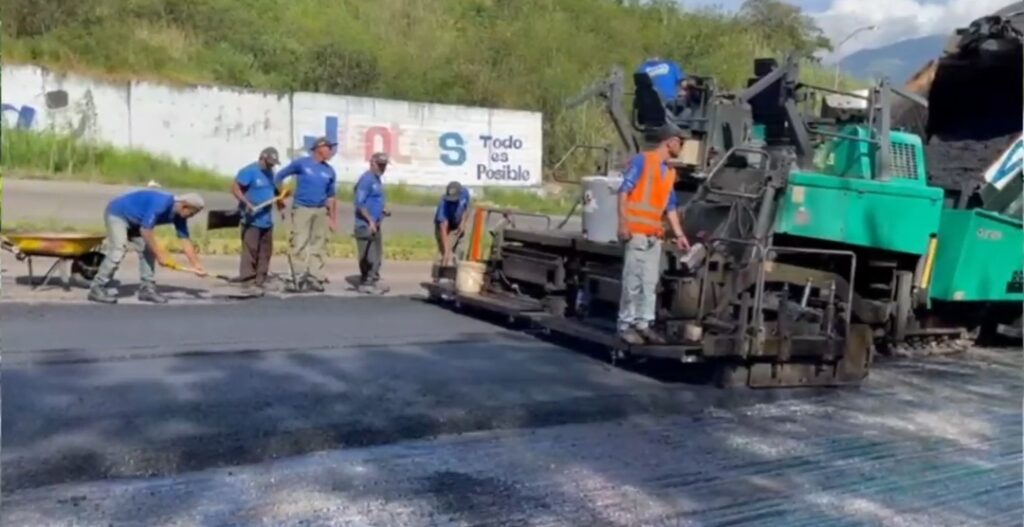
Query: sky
{"x": 895, "y": 19}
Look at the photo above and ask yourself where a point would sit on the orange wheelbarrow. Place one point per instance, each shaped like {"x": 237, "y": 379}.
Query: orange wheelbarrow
{"x": 76, "y": 254}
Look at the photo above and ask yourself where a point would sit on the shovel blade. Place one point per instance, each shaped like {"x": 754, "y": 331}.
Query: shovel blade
{"x": 223, "y": 219}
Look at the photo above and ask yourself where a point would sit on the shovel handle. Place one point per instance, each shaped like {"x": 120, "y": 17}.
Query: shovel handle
{"x": 271, "y": 201}
{"x": 193, "y": 271}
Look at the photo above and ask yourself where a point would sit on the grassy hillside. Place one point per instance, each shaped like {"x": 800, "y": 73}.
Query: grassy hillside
{"x": 529, "y": 54}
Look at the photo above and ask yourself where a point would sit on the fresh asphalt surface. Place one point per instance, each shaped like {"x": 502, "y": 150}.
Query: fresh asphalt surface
{"x": 389, "y": 411}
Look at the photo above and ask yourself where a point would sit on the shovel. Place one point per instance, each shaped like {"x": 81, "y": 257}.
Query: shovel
{"x": 223, "y": 219}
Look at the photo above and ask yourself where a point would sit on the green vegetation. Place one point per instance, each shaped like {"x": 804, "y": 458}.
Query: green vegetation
{"x": 529, "y": 54}
{"x": 226, "y": 241}
{"x": 44, "y": 155}
{"x": 57, "y": 157}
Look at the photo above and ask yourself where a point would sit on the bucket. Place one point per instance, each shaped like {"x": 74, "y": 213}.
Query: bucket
{"x": 469, "y": 278}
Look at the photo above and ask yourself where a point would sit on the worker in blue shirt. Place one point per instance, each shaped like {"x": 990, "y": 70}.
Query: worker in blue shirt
{"x": 130, "y": 220}
{"x": 254, "y": 187}
{"x": 314, "y": 212}
{"x": 450, "y": 220}
{"x": 666, "y": 76}
{"x": 370, "y": 210}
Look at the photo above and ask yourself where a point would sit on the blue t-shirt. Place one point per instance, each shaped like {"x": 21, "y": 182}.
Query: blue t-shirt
{"x": 632, "y": 176}
{"x": 258, "y": 184}
{"x": 665, "y": 76}
{"x": 369, "y": 195}
{"x": 314, "y": 181}
{"x": 148, "y": 208}
{"x": 452, "y": 211}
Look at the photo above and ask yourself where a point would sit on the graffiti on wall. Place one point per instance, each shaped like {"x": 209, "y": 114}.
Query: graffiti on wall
{"x": 499, "y": 159}
{"x": 78, "y": 120}
{"x": 430, "y": 144}
{"x": 24, "y": 116}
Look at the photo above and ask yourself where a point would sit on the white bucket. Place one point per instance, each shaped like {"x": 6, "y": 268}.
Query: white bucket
{"x": 469, "y": 277}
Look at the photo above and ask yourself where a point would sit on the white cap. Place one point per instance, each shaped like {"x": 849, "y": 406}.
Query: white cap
{"x": 192, "y": 200}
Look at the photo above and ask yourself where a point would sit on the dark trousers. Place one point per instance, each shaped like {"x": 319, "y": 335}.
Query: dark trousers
{"x": 371, "y": 253}
{"x": 257, "y": 246}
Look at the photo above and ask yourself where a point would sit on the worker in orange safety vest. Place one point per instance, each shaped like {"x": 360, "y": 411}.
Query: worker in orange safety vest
{"x": 646, "y": 196}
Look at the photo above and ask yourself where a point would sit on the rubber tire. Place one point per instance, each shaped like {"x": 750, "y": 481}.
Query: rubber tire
{"x": 87, "y": 265}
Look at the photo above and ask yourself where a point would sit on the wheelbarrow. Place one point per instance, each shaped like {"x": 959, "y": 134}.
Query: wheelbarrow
{"x": 76, "y": 254}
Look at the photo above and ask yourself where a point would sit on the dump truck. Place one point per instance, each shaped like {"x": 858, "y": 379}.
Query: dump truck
{"x": 971, "y": 128}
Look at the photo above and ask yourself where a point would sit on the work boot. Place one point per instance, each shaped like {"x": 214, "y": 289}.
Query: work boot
{"x": 251, "y": 290}
{"x": 270, "y": 286}
{"x": 651, "y": 336}
{"x": 630, "y": 336}
{"x": 314, "y": 284}
{"x": 374, "y": 289}
{"x": 148, "y": 293}
{"x": 102, "y": 296}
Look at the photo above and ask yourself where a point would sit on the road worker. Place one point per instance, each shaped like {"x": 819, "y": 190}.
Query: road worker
{"x": 370, "y": 210}
{"x": 314, "y": 212}
{"x": 130, "y": 220}
{"x": 646, "y": 196}
{"x": 253, "y": 187}
{"x": 450, "y": 222}
{"x": 666, "y": 77}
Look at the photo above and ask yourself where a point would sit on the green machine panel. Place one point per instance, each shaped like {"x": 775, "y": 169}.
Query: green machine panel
{"x": 860, "y": 212}
{"x": 979, "y": 257}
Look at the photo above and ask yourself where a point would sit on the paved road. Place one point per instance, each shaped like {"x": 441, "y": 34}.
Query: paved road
{"x": 385, "y": 411}
{"x": 83, "y": 203}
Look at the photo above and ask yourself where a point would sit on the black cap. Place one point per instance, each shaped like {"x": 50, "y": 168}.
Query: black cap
{"x": 323, "y": 141}
{"x": 453, "y": 192}
{"x": 269, "y": 155}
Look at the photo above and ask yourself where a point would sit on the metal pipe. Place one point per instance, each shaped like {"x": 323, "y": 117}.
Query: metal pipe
{"x": 842, "y": 136}
{"x": 807, "y": 293}
{"x": 852, "y": 34}
{"x": 929, "y": 263}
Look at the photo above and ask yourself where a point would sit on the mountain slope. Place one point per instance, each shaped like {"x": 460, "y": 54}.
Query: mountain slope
{"x": 896, "y": 61}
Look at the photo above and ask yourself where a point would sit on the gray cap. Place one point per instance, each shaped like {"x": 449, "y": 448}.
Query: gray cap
{"x": 379, "y": 158}
{"x": 453, "y": 192}
{"x": 323, "y": 141}
{"x": 669, "y": 131}
{"x": 270, "y": 154}
{"x": 192, "y": 200}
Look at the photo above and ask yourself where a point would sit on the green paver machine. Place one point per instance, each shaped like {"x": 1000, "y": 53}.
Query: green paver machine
{"x": 806, "y": 228}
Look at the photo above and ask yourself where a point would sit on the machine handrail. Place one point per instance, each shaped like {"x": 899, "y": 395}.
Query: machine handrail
{"x": 718, "y": 166}
{"x": 580, "y": 146}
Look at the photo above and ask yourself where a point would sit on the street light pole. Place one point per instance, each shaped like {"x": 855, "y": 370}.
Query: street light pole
{"x": 844, "y": 41}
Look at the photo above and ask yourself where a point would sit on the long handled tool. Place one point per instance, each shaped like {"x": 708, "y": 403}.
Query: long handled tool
{"x": 223, "y": 219}
{"x": 190, "y": 270}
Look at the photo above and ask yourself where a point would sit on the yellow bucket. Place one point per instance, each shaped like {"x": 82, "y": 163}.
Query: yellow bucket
{"x": 469, "y": 277}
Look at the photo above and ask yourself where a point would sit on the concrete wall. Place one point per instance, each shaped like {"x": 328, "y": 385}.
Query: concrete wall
{"x": 223, "y": 128}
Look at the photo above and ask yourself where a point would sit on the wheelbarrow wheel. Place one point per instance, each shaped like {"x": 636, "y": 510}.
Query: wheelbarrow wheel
{"x": 87, "y": 265}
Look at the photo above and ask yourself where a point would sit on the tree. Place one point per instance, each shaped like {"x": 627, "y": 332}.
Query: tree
{"x": 784, "y": 27}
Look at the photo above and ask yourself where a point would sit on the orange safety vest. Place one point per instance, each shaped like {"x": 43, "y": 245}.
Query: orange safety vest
{"x": 646, "y": 204}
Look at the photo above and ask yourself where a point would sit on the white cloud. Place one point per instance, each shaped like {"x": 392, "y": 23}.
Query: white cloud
{"x": 897, "y": 20}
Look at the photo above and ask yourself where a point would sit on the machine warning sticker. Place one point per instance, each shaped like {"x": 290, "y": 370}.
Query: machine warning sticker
{"x": 589, "y": 203}
{"x": 798, "y": 194}
{"x": 1016, "y": 283}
